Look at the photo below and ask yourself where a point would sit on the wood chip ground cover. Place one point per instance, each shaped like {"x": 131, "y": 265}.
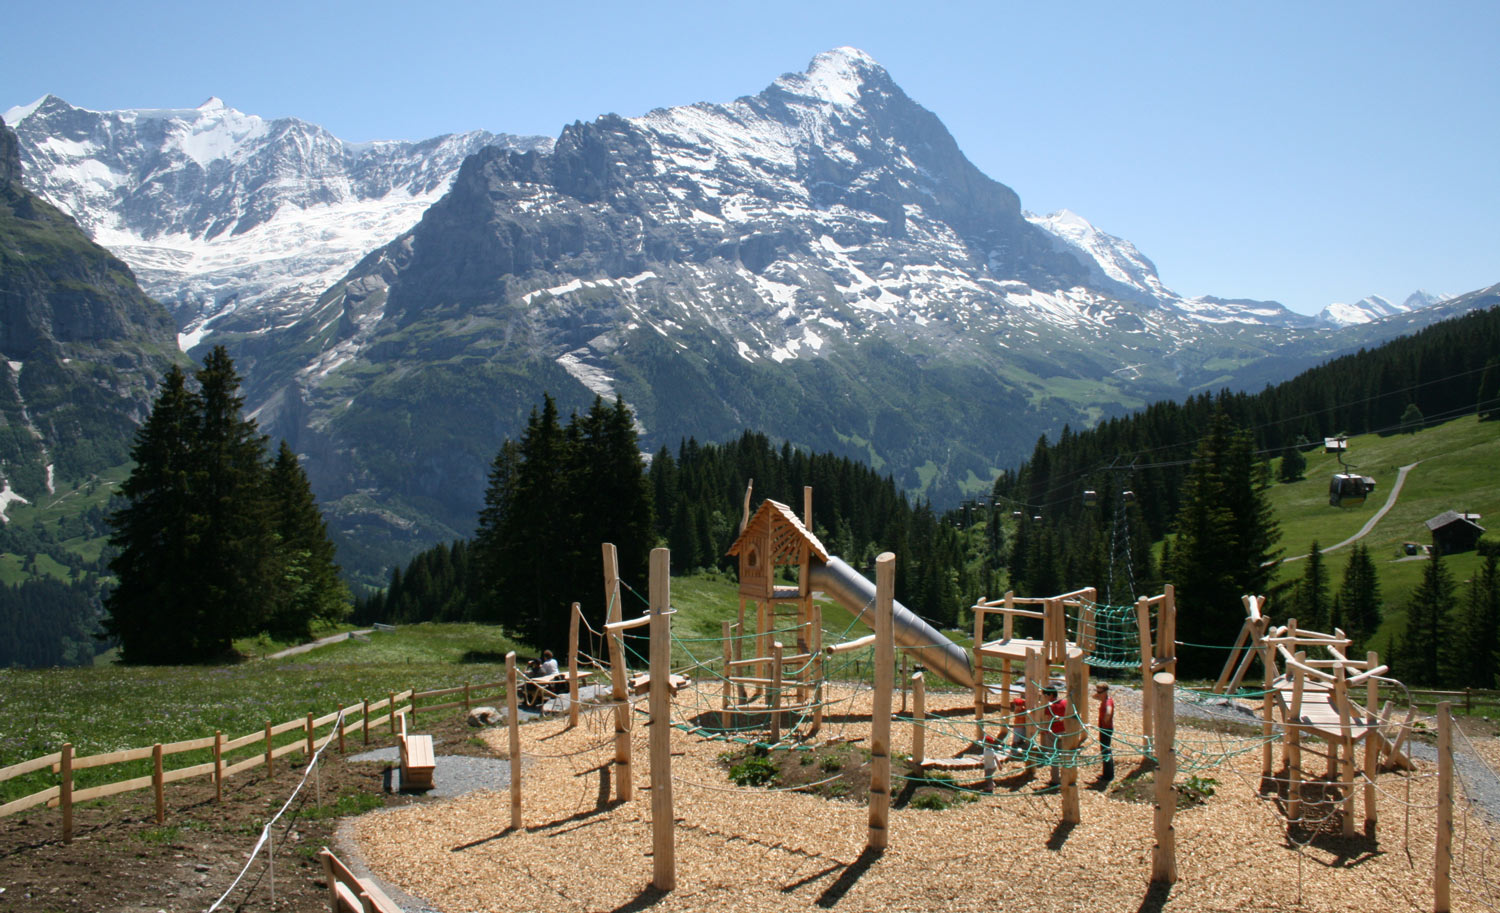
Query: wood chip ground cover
{"x": 758, "y": 849}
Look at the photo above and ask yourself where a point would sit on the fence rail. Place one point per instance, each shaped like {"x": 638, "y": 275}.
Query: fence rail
{"x": 361, "y": 717}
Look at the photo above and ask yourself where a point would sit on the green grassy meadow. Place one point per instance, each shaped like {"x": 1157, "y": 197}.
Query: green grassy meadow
{"x": 1457, "y": 466}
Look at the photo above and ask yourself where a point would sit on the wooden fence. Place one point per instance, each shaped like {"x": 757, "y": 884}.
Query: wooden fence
{"x": 229, "y": 756}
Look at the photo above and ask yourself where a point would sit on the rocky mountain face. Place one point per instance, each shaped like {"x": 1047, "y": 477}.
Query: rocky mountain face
{"x": 234, "y": 221}
{"x": 82, "y": 344}
{"x": 818, "y": 261}
{"x": 1374, "y": 308}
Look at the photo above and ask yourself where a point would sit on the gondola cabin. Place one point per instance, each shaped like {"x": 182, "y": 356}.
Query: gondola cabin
{"x": 1346, "y": 489}
{"x": 1090, "y": 498}
{"x": 1335, "y": 445}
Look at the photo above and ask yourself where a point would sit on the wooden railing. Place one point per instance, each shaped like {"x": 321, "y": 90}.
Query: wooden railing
{"x": 226, "y": 761}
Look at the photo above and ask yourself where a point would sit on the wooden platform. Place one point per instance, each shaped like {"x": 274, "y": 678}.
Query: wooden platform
{"x": 1016, "y": 648}
{"x": 1319, "y": 715}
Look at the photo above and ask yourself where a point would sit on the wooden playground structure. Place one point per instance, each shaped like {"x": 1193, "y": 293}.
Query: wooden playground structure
{"x": 772, "y": 683}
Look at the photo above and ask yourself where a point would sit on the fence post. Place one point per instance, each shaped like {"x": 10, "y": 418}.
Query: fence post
{"x": 619, "y": 690}
{"x": 919, "y": 718}
{"x": 1372, "y": 741}
{"x": 513, "y": 723}
{"x": 663, "y": 844}
{"x": 467, "y": 700}
{"x": 270, "y": 759}
{"x": 1164, "y": 854}
{"x": 1441, "y": 901}
{"x": 392, "y": 708}
{"x": 1072, "y": 811}
{"x": 309, "y": 730}
{"x": 364, "y": 717}
{"x": 218, "y": 765}
{"x": 65, "y": 791}
{"x": 573, "y": 665}
{"x": 776, "y": 674}
{"x": 157, "y": 785}
{"x": 413, "y": 707}
{"x": 880, "y": 712}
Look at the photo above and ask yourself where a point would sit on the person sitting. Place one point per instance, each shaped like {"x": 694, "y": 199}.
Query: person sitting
{"x": 530, "y": 691}
{"x": 549, "y": 665}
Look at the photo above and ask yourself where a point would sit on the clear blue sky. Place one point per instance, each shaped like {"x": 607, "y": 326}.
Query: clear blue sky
{"x": 1302, "y": 152}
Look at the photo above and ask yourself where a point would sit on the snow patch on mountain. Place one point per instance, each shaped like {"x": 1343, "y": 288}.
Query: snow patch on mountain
{"x": 1375, "y": 307}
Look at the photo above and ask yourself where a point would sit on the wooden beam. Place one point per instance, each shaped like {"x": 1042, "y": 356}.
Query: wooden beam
{"x": 880, "y": 713}
{"x": 619, "y": 689}
{"x": 1164, "y": 853}
{"x": 663, "y": 843}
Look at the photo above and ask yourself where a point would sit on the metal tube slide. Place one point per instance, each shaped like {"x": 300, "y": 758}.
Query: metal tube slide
{"x": 855, "y": 592}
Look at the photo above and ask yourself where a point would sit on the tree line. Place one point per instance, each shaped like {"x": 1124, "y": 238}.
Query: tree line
{"x": 561, "y": 490}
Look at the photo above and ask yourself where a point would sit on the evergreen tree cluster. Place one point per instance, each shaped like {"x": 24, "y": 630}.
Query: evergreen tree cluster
{"x": 51, "y": 623}
{"x": 437, "y": 585}
{"x": 215, "y": 540}
{"x": 553, "y": 497}
{"x": 1452, "y": 638}
{"x": 857, "y": 514}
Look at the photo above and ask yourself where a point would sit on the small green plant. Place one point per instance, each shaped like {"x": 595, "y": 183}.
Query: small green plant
{"x": 755, "y": 770}
{"x": 932, "y": 802}
{"x": 347, "y": 804}
{"x": 831, "y": 764}
{"x": 160, "y": 836}
{"x": 1197, "y": 787}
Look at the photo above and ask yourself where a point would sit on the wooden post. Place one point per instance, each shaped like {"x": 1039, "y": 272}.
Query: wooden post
{"x": 270, "y": 759}
{"x": 725, "y": 687}
{"x": 308, "y": 728}
{"x": 157, "y": 786}
{"x": 513, "y": 724}
{"x": 1267, "y": 705}
{"x": 776, "y": 675}
{"x": 1164, "y": 854}
{"x": 1072, "y": 811}
{"x": 219, "y": 765}
{"x": 919, "y": 719}
{"x": 1441, "y": 900}
{"x": 979, "y": 693}
{"x": 1148, "y": 653}
{"x": 817, "y": 651}
{"x": 880, "y": 712}
{"x": 573, "y": 665}
{"x": 364, "y": 718}
{"x": 1344, "y": 750}
{"x": 1166, "y": 639}
{"x": 338, "y": 724}
{"x": 1036, "y": 672}
{"x": 1372, "y": 741}
{"x": 663, "y": 845}
{"x": 468, "y": 703}
{"x": 1293, "y": 749}
{"x": 65, "y": 790}
{"x": 619, "y": 693}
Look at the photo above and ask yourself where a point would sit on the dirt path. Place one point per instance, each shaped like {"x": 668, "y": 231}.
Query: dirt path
{"x": 1365, "y": 530}
{"x": 320, "y": 642}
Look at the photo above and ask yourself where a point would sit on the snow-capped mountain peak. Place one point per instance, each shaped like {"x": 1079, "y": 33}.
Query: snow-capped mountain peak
{"x": 837, "y": 76}
{"x": 221, "y": 212}
{"x": 1374, "y": 307}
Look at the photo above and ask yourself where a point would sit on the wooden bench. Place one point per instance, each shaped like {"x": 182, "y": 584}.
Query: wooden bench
{"x": 417, "y": 761}
{"x": 350, "y": 894}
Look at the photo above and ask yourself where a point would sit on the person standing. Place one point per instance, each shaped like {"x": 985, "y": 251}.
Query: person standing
{"x": 1057, "y": 726}
{"x": 1106, "y": 731}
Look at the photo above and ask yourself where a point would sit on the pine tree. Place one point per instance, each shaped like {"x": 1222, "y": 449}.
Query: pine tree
{"x": 1411, "y": 419}
{"x": 311, "y": 591}
{"x": 1427, "y": 657}
{"x": 1481, "y": 626}
{"x": 1359, "y": 595}
{"x": 1293, "y": 465}
{"x": 152, "y": 611}
{"x": 1311, "y": 600}
{"x": 1226, "y": 534}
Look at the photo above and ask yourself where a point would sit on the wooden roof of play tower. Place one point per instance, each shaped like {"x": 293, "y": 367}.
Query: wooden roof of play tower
{"x": 774, "y": 522}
